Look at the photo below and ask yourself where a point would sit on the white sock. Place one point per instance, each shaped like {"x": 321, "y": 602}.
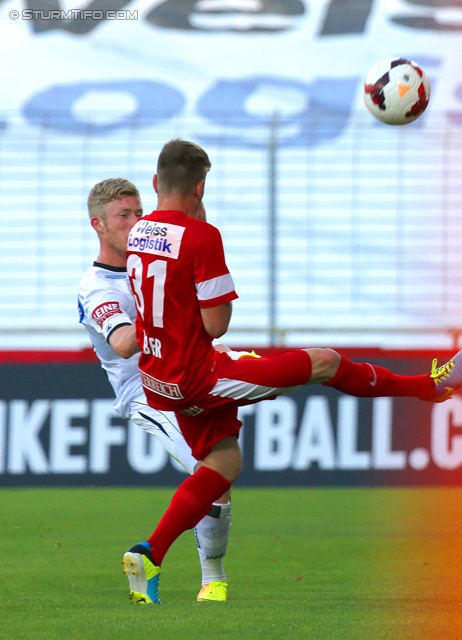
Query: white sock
{"x": 212, "y": 534}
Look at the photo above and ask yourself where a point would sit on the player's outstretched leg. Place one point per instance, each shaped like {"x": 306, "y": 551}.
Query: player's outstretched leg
{"x": 372, "y": 381}
{"x": 142, "y": 574}
{"x": 212, "y": 534}
{"x": 447, "y": 378}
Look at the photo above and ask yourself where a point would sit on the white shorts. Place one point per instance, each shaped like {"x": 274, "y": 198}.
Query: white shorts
{"x": 164, "y": 426}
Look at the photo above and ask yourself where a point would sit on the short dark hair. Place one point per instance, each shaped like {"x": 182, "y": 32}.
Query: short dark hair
{"x": 181, "y": 166}
{"x": 106, "y": 191}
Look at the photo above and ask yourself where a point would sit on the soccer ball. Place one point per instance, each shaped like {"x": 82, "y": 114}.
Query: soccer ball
{"x": 396, "y": 91}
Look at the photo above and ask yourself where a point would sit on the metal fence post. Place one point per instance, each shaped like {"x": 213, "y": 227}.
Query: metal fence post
{"x": 272, "y": 230}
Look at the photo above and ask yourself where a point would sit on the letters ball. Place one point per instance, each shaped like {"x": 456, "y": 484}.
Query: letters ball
{"x": 396, "y": 91}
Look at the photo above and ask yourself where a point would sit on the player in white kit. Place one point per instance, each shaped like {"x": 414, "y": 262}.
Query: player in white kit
{"x": 107, "y": 311}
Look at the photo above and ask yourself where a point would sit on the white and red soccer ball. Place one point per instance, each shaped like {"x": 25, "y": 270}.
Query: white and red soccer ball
{"x": 396, "y": 91}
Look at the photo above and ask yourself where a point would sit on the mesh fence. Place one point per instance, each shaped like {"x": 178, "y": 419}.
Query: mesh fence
{"x": 354, "y": 234}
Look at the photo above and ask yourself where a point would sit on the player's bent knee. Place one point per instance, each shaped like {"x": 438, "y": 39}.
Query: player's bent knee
{"x": 225, "y": 458}
{"x": 325, "y": 363}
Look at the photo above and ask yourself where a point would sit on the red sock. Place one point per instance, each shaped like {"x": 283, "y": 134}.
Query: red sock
{"x": 365, "y": 380}
{"x": 192, "y": 501}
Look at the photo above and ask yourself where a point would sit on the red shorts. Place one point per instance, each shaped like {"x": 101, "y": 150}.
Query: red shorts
{"x": 203, "y": 431}
{"x": 214, "y": 416}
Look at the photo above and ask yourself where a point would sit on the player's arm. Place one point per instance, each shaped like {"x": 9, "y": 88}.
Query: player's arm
{"x": 109, "y": 312}
{"x": 216, "y": 319}
{"x": 123, "y": 340}
{"x": 214, "y": 284}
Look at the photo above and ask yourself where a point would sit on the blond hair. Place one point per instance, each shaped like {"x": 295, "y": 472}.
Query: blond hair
{"x": 106, "y": 191}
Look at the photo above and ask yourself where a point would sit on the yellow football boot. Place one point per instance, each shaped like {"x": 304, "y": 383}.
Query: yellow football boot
{"x": 214, "y": 592}
{"x": 142, "y": 574}
{"x": 447, "y": 378}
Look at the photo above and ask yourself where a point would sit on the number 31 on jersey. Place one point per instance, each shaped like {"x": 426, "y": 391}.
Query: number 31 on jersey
{"x": 157, "y": 270}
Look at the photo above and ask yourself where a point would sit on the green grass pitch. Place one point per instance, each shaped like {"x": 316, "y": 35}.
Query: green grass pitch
{"x": 315, "y": 563}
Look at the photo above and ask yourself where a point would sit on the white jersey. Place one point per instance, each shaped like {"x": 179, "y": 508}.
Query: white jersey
{"x": 105, "y": 303}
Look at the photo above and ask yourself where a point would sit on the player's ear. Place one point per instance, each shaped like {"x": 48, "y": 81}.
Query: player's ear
{"x": 199, "y": 190}
{"x": 154, "y": 182}
{"x": 96, "y": 223}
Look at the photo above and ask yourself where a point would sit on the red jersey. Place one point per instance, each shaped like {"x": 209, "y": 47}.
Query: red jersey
{"x": 176, "y": 266}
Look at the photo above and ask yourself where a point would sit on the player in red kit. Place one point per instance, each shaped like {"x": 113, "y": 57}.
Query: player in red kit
{"x": 175, "y": 346}
{"x": 184, "y": 292}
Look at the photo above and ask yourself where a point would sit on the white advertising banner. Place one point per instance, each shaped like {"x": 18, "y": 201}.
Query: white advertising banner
{"x": 63, "y": 60}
